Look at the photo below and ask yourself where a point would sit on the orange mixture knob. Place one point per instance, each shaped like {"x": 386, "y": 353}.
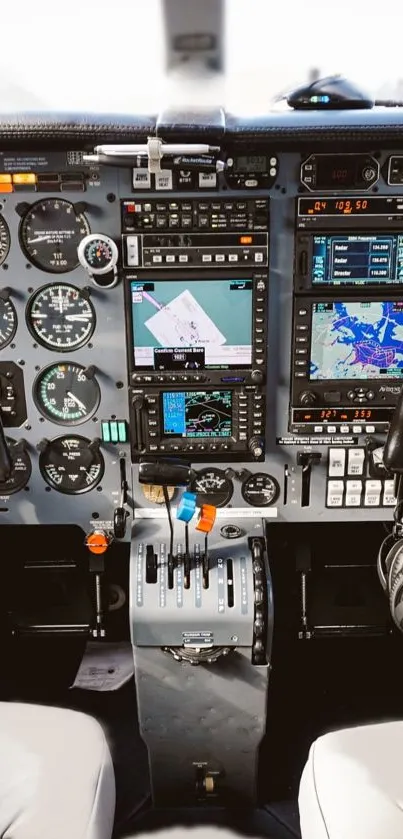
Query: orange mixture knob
{"x": 206, "y": 518}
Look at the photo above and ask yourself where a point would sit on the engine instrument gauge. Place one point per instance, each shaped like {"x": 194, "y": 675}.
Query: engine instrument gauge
{"x": 71, "y": 464}
{"x": 61, "y": 317}
{"x": 8, "y": 320}
{"x": 260, "y": 490}
{"x": 212, "y": 487}
{"x": 4, "y": 240}
{"x": 98, "y": 253}
{"x": 50, "y": 233}
{"x": 66, "y": 393}
{"x": 21, "y": 468}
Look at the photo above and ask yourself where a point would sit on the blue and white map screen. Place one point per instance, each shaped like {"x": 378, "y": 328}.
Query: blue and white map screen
{"x": 357, "y": 340}
{"x": 357, "y": 259}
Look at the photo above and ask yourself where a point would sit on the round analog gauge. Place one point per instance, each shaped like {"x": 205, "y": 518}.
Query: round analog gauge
{"x": 50, "y": 234}
{"x": 8, "y": 321}
{"x": 21, "y": 468}
{"x": 66, "y": 393}
{"x": 212, "y": 487}
{"x": 72, "y": 465}
{"x": 260, "y": 490}
{"x": 61, "y": 317}
{"x": 4, "y": 240}
{"x": 98, "y": 253}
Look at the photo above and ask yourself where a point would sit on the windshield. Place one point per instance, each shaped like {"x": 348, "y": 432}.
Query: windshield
{"x": 103, "y": 56}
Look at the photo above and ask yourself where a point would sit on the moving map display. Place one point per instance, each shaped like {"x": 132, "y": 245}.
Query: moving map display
{"x": 357, "y": 340}
{"x": 192, "y": 324}
{"x": 357, "y": 259}
{"x": 200, "y": 414}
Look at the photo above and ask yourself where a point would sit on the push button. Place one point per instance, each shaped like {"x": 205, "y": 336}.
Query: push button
{"x": 389, "y": 498}
{"x": 355, "y": 463}
{"x": 353, "y": 493}
{"x": 373, "y": 491}
{"x": 337, "y": 463}
{"x": 335, "y": 493}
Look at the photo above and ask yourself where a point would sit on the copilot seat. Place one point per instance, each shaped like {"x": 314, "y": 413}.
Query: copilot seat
{"x": 352, "y": 784}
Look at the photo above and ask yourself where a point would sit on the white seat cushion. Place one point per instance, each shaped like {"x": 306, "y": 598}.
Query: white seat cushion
{"x": 352, "y": 784}
{"x": 56, "y": 775}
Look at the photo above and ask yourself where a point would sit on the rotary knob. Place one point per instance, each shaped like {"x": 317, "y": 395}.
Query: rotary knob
{"x": 307, "y": 397}
{"x": 256, "y": 446}
{"x": 257, "y": 376}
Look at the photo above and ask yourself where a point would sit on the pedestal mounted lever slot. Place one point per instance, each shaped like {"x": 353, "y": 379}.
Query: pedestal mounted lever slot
{"x": 307, "y": 460}
{"x": 151, "y": 565}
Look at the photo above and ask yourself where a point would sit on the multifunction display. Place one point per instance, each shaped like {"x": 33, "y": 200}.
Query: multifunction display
{"x": 197, "y": 414}
{"x": 356, "y": 340}
{"x": 357, "y": 259}
{"x": 188, "y": 325}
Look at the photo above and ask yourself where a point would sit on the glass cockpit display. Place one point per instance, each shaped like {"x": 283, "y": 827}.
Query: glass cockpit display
{"x": 192, "y": 325}
{"x": 357, "y": 259}
{"x": 356, "y": 340}
{"x": 200, "y": 414}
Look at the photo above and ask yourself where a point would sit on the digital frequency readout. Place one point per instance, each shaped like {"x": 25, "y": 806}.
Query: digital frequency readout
{"x": 357, "y": 340}
{"x": 372, "y": 206}
{"x": 200, "y": 414}
{"x": 358, "y": 259}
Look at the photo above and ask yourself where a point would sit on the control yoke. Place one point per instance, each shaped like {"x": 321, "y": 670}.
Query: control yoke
{"x": 393, "y": 451}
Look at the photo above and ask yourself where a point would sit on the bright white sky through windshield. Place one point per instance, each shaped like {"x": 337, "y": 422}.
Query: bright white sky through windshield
{"x": 108, "y": 55}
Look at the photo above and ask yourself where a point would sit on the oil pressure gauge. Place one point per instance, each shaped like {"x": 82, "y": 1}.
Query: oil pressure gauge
{"x": 71, "y": 465}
